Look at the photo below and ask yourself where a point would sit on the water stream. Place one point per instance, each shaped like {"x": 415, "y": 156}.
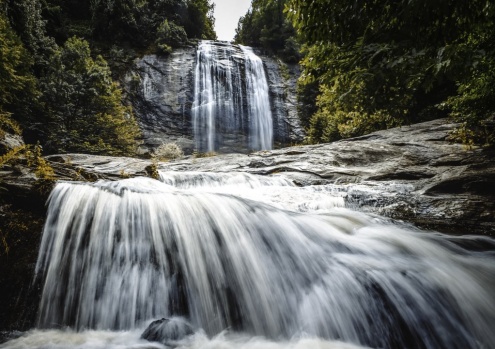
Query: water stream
{"x": 230, "y": 99}
{"x": 251, "y": 262}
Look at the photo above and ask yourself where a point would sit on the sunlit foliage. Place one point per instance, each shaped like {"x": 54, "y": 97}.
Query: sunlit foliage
{"x": 384, "y": 63}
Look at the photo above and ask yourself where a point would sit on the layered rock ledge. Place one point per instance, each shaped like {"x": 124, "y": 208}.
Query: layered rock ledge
{"x": 412, "y": 173}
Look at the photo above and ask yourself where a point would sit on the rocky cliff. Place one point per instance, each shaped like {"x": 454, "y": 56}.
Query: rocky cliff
{"x": 161, "y": 91}
{"x": 411, "y": 173}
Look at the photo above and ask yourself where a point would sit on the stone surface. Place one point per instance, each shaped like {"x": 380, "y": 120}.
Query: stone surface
{"x": 10, "y": 141}
{"x": 161, "y": 91}
{"x": 168, "y": 331}
{"x": 282, "y": 80}
{"x": 410, "y": 173}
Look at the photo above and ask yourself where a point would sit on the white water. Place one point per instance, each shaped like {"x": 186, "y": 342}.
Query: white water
{"x": 275, "y": 265}
{"x": 230, "y": 98}
{"x": 260, "y": 115}
{"x": 52, "y": 339}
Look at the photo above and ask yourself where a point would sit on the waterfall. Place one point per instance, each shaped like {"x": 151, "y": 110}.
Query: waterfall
{"x": 247, "y": 254}
{"x": 260, "y": 116}
{"x": 231, "y": 109}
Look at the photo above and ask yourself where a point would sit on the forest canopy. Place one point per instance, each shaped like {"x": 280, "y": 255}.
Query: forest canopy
{"x": 370, "y": 65}
{"x": 61, "y": 59}
{"x": 385, "y": 63}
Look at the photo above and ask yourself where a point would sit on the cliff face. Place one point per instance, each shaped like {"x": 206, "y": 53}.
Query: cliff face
{"x": 282, "y": 81}
{"x": 161, "y": 91}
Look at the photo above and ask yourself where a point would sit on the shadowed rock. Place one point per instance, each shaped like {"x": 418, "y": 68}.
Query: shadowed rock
{"x": 168, "y": 331}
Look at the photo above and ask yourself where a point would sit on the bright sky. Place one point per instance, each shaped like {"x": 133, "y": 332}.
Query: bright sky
{"x": 227, "y": 14}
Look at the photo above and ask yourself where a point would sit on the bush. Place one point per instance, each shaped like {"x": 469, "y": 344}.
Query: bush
{"x": 84, "y": 105}
{"x": 168, "y": 151}
{"x": 170, "y": 35}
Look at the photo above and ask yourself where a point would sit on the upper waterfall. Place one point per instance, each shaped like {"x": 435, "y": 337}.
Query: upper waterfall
{"x": 231, "y": 98}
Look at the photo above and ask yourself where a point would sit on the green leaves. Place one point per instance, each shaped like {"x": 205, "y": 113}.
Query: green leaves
{"x": 265, "y": 25}
{"x": 84, "y": 105}
{"x": 140, "y": 21}
{"x": 170, "y": 35}
{"x": 18, "y": 90}
{"x": 380, "y": 63}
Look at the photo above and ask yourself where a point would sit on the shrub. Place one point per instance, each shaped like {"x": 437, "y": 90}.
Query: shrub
{"x": 168, "y": 151}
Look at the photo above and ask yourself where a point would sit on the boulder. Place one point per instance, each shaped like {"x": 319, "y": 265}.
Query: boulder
{"x": 168, "y": 331}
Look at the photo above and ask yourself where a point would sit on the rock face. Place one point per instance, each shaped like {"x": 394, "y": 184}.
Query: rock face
{"x": 410, "y": 173}
{"x": 10, "y": 141}
{"x": 282, "y": 80}
{"x": 168, "y": 331}
{"x": 161, "y": 91}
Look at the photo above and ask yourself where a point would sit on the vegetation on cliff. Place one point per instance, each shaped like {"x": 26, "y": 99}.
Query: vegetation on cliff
{"x": 60, "y": 62}
{"x": 373, "y": 65}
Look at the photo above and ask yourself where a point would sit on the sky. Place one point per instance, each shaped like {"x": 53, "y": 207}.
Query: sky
{"x": 227, "y": 14}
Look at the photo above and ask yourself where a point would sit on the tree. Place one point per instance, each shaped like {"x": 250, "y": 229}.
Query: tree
{"x": 17, "y": 84}
{"x": 84, "y": 106}
{"x": 200, "y": 22}
{"x": 138, "y": 21}
{"x": 26, "y": 19}
{"x": 265, "y": 25}
{"x": 170, "y": 35}
{"x": 381, "y": 63}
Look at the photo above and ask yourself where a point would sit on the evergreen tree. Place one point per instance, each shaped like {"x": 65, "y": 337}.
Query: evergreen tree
{"x": 17, "y": 85}
{"x": 84, "y": 106}
{"x": 27, "y": 21}
{"x": 382, "y": 63}
{"x": 265, "y": 25}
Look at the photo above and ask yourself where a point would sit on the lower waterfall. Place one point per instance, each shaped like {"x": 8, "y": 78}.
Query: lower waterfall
{"x": 251, "y": 262}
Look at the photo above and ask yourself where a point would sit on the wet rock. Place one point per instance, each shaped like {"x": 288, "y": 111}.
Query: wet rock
{"x": 10, "y": 141}
{"x": 409, "y": 173}
{"x": 168, "y": 331}
{"x": 161, "y": 91}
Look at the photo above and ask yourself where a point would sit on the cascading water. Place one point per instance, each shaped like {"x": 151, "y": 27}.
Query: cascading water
{"x": 231, "y": 108}
{"x": 242, "y": 256}
{"x": 260, "y": 116}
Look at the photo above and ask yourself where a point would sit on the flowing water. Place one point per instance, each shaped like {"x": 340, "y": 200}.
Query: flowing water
{"x": 230, "y": 99}
{"x": 252, "y": 262}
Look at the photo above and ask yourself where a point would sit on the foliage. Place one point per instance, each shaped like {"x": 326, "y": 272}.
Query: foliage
{"x": 265, "y": 25}
{"x": 168, "y": 151}
{"x": 12, "y": 155}
{"x": 36, "y": 161}
{"x": 26, "y": 19}
{"x": 152, "y": 170}
{"x": 17, "y": 83}
{"x": 374, "y": 71}
{"x": 138, "y": 22}
{"x": 170, "y": 35}
{"x": 84, "y": 106}
{"x": 474, "y": 104}
{"x": 198, "y": 155}
{"x": 8, "y": 125}
{"x": 200, "y": 22}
